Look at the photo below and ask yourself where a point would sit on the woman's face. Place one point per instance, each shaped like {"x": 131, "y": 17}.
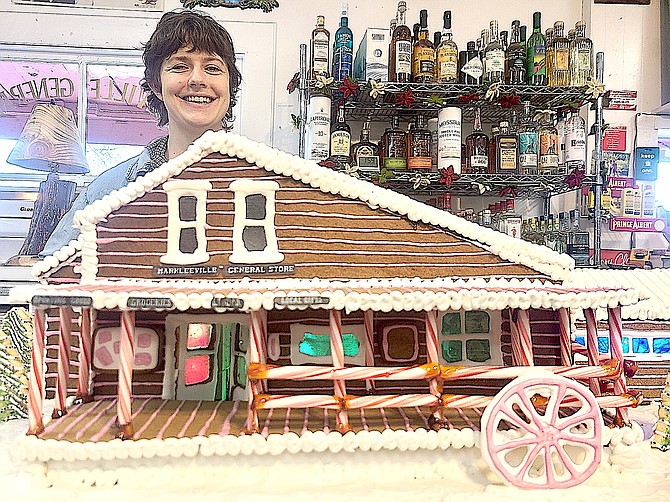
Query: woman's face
{"x": 195, "y": 90}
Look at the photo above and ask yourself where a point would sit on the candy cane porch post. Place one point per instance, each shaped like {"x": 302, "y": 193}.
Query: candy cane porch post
{"x": 592, "y": 347}
{"x": 85, "y": 342}
{"x": 564, "y": 329}
{"x": 616, "y": 345}
{"x": 368, "y": 321}
{"x": 127, "y": 356}
{"x": 36, "y": 382}
{"x": 63, "y": 371}
{"x": 522, "y": 345}
{"x": 337, "y": 351}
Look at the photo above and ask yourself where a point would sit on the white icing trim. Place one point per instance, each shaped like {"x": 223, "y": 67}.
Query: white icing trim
{"x": 176, "y": 189}
{"x": 241, "y": 254}
{"x": 536, "y": 257}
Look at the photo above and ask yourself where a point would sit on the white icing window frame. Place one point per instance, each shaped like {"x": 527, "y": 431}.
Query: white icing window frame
{"x": 493, "y": 336}
{"x": 241, "y": 254}
{"x": 176, "y": 189}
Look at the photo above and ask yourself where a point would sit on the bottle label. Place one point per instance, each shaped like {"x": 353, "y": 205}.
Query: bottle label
{"x": 495, "y": 61}
{"x": 447, "y": 64}
{"x": 548, "y": 151}
{"x": 321, "y": 46}
{"x": 395, "y": 163}
{"x": 449, "y": 139}
{"x": 507, "y": 154}
{"x": 318, "y": 122}
{"x": 342, "y": 56}
{"x": 561, "y": 58}
{"x": 423, "y": 62}
{"x": 340, "y": 143}
{"x": 575, "y": 145}
{"x": 474, "y": 68}
{"x": 479, "y": 161}
{"x": 528, "y": 149}
{"x": 539, "y": 60}
{"x": 403, "y": 56}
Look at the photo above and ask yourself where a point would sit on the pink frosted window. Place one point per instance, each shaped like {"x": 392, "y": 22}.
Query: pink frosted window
{"x": 196, "y": 369}
{"x": 107, "y": 347}
{"x": 199, "y": 336}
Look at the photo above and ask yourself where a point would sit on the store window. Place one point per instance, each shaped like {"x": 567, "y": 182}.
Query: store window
{"x": 310, "y": 344}
{"x": 467, "y": 337}
{"x": 400, "y": 344}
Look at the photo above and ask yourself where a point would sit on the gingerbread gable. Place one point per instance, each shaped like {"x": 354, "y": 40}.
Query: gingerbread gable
{"x": 229, "y": 207}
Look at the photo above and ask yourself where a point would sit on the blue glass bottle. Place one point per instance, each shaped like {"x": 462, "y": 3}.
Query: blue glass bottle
{"x": 343, "y": 47}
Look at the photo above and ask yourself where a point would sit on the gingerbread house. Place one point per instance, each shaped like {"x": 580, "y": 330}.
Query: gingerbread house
{"x": 237, "y": 280}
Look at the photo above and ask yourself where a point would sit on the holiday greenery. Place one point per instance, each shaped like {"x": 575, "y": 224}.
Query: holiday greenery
{"x": 15, "y": 338}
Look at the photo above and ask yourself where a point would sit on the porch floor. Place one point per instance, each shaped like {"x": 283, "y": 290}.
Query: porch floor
{"x": 158, "y": 418}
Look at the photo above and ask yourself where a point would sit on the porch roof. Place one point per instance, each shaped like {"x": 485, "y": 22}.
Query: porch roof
{"x": 377, "y": 295}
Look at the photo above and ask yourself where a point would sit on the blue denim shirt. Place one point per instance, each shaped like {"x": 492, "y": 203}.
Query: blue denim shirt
{"x": 151, "y": 157}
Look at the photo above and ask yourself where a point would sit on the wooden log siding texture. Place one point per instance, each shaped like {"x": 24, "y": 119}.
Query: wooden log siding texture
{"x": 314, "y": 231}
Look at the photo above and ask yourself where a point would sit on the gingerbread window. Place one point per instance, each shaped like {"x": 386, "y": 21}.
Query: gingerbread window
{"x": 469, "y": 338}
{"x": 107, "y": 345}
{"x": 254, "y": 237}
{"x": 187, "y": 213}
{"x": 400, "y": 344}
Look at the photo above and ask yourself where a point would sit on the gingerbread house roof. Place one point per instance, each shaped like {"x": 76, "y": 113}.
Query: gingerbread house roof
{"x": 418, "y": 240}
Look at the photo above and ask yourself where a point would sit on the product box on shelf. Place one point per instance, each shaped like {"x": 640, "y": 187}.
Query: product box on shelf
{"x": 371, "y": 61}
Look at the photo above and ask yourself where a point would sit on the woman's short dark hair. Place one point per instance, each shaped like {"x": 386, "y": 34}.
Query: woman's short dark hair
{"x": 194, "y": 30}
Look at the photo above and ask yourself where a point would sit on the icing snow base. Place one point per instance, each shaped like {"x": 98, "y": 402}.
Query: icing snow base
{"x": 284, "y": 460}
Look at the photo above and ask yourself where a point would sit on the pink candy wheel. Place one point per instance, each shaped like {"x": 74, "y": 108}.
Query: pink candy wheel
{"x": 542, "y": 431}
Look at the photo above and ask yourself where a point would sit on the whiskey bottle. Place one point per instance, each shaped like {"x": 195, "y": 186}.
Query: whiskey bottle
{"x": 561, "y": 45}
{"x": 522, "y": 35}
{"x": 394, "y": 146}
{"x": 495, "y": 57}
{"x": 320, "y": 49}
{"x": 400, "y": 55}
{"x": 549, "y": 54}
{"x": 446, "y": 54}
{"x": 491, "y": 168}
{"x": 477, "y": 147}
{"x": 449, "y": 138}
{"x": 575, "y": 141}
{"x": 527, "y": 142}
{"x": 340, "y": 138}
{"x": 343, "y": 47}
{"x": 364, "y": 153}
{"x": 318, "y": 127}
{"x": 536, "y": 53}
{"x": 515, "y": 58}
{"x": 471, "y": 65}
{"x": 547, "y": 162}
{"x": 581, "y": 56}
{"x": 503, "y": 39}
{"x": 419, "y": 146}
{"x": 423, "y": 53}
{"x": 507, "y": 149}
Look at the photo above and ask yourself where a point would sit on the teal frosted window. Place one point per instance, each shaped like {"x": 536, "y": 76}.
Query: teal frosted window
{"x": 625, "y": 342}
{"x": 661, "y": 345}
{"x": 603, "y": 344}
{"x": 452, "y": 350}
{"x": 451, "y": 323}
{"x": 477, "y": 322}
{"x": 640, "y": 346}
{"x": 478, "y": 350}
{"x": 319, "y": 345}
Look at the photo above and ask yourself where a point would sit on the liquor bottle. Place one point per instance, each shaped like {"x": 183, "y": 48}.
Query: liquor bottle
{"x": 471, "y": 66}
{"x": 547, "y": 161}
{"x": 507, "y": 150}
{"x": 423, "y": 53}
{"x": 437, "y": 38}
{"x": 561, "y": 45}
{"x": 483, "y": 41}
{"x": 364, "y": 153}
{"x": 527, "y": 142}
{"x": 318, "y": 127}
{"x": 449, "y": 138}
{"x": 394, "y": 146}
{"x": 477, "y": 147}
{"x": 575, "y": 142}
{"x": 340, "y": 138}
{"x": 549, "y": 54}
{"x": 581, "y": 56}
{"x": 416, "y": 28}
{"x": 400, "y": 55}
{"x": 491, "y": 168}
{"x": 536, "y": 53}
{"x": 343, "y": 47}
{"x": 503, "y": 39}
{"x": 515, "y": 58}
{"x": 522, "y": 35}
{"x": 495, "y": 57}
{"x": 419, "y": 146}
{"x": 560, "y": 130}
{"x": 320, "y": 49}
{"x": 446, "y": 54}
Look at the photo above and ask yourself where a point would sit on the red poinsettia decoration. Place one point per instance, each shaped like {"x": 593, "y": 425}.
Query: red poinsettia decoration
{"x": 448, "y": 176}
{"x": 405, "y": 98}
{"x": 328, "y": 163}
{"x": 293, "y": 83}
{"x": 507, "y": 101}
{"x": 466, "y": 98}
{"x": 507, "y": 192}
{"x": 349, "y": 87}
{"x": 575, "y": 178}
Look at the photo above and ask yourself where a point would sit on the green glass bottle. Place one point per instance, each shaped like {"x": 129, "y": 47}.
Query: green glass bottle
{"x": 536, "y": 51}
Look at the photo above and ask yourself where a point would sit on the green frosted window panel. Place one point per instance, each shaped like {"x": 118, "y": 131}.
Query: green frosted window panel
{"x": 319, "y": 345}
{"x": 452, "y": 351}
{"x": 240, "y": 371}
{"x": 478, "y": 350}
{"x": 451, "y": 323}
{"x": 477, "y": 322}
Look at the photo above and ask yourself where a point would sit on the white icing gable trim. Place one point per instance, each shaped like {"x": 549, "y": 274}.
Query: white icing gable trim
{"x": 539, "y": 258}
